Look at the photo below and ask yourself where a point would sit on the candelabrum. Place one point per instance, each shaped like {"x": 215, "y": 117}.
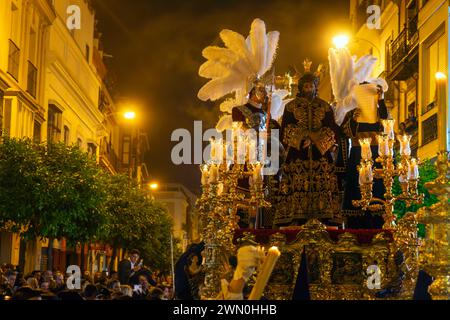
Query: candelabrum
{"x": 219, "y": 202}
{"x": 435, "y": 256}
{"x": 406, "y": 170}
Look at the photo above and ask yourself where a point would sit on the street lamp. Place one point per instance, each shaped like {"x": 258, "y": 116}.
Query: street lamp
{"x": 341, "y": 41}
{"x": 154, "y": 186}
{"x": 440, "y": 75}
{"x": 129, "y": 115}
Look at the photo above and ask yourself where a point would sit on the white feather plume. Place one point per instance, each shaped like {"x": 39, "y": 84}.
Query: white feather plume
{"x": 228, "y": 105}
{"x": 258, "y": 40}
{"x": 272, "y": 45}
{"x": 278, "y": 103}
{"x": 363, "y": 67}
{"x": 225, "y": 123}
{"x": 233, "y": 68}
{"x": 219, "y": 87}
{"x": 346, "y": 72}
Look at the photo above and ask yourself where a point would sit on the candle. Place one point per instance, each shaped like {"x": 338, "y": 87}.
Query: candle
{"x": 366, "y": 152}
{"x": 241, "y": 147}
{"x": 257, "y": 173}
{"x": 236, "y": 126}
{"x": 403, "y": 173}
{"x": 362, "y": 173}
{"x": 220, "y": 189}
{"x": 219, "y": 151}
{"x": 390, "y": 147}
{"x": 214, "y": 174}
{"x": 264, "y": 273}
{"x": 229, "y": 153}
{"x": 365, "y": 173}
{"x": 213, "y": 149}
{"x": 413, "y": 172}
{"x": 405, "y": 148}
{"x": 205, "y": 174}
{"x": 388, "y": 125}
{"x": 252, "y": 151}
{"x": 383, "y": 145}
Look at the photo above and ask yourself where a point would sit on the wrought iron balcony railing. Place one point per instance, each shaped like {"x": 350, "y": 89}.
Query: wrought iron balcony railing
{"x": 399, "y": 48}
{"x": 107, "y": 153}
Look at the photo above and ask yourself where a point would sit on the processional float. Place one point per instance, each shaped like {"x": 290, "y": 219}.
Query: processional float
{"x": 375, "y": 264}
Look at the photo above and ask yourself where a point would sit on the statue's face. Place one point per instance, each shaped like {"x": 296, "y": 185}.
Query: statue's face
{"x": 309, "y": 89}
{"x": 259, "y": 94}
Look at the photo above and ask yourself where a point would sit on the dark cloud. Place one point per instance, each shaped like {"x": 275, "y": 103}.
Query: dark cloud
{"x": 157, "y": 49}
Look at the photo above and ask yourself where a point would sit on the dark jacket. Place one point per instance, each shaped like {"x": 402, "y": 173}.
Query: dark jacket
{"x": 125, "y": 271}
{"x": 182, "y": 287}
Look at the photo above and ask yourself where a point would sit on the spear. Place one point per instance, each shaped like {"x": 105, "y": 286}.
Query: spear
{"x": 269, "y": 101}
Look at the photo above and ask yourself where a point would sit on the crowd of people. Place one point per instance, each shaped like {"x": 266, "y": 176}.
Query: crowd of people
{"x": 137, "y": 283}
{"x": 133, "y": 280}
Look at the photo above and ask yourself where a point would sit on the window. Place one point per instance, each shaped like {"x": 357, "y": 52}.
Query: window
{"x": 15, "y": 23}
{"x": 33, "y": 44}
{"x": 37, "y": 132}
{"x": 32, "y": 79}
{"x": 32, "y": 70}
{"x": 66, "y": 135}
{"x": 126, "y": 148}
{"x": 92, "y": 150}
{"x": 435, "y": 62}
{"x": 7, "y": 118}
{"x": 430, "y": 129}
{"x": 387, "y": 56}
{"x": 54, "y": 124}
{"x": 80, "y": 143}
{"x": 13, "y": 60}
{"x": 14, "y": 51}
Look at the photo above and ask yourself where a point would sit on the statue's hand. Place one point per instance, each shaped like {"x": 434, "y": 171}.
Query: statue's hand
{"x": 306, "y": 143}
{"x": 249, "y": 258}
{"x": 356, "y": 114}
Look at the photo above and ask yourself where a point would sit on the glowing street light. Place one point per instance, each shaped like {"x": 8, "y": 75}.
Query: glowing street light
{"x": 154, "y": 186}
{"x": 440, "y": 76}
{"x": 129, "y": 115}
{"x": 341, "y": 41}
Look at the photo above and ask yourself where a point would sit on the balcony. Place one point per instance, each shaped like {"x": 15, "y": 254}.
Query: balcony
{"x": 404, "y": 59}
{"x": 108, "y": 158}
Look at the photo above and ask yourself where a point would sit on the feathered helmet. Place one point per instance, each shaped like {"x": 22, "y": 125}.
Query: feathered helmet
{"x": 346, "y": 73}
{"x": 309, "y": 76}
{"x": 236, "y": 69}
{"x": 239, "y": 66}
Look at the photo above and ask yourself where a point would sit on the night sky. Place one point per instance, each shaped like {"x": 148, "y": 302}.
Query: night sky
{"x": 156, "y": 47}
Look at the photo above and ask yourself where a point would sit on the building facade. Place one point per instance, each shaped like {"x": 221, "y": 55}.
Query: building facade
{"x": 54, "y": 87}
{"x": 24, "y": 33}
{"x": 412, "y": 46}
{"x": 180, "y": 203}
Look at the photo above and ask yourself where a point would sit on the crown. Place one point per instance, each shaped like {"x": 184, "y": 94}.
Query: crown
{"x": 307, "y": 65}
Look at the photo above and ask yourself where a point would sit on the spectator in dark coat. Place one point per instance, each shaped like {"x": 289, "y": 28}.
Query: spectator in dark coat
{"x": 128, "y": 267}
{"x": 182, "y": 287}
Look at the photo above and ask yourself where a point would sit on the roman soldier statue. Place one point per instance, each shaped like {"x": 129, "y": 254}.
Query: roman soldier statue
{"x": 237, "y": 74}
{"x": 359, "y": 108}
{"x": 309, "y": 133}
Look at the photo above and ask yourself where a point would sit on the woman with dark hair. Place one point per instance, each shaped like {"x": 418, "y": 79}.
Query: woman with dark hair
{"x": 182, "y": 285}
{"x": 195, "y": 275}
